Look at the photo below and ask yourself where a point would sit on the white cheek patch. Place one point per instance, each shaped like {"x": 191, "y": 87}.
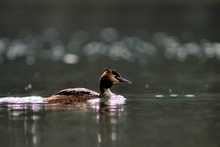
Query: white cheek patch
{"x": 114, "y": 80}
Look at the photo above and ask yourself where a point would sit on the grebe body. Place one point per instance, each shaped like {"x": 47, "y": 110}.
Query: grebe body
{"x": 70, "y": 95}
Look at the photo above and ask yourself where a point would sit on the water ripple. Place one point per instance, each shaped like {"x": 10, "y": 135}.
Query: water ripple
{"x": 19, "y": 100}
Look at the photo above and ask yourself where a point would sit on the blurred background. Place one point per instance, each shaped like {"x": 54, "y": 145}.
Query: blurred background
{"x": 164, "y": 46}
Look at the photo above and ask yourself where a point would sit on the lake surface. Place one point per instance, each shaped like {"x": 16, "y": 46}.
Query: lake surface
{"x": 170, "y": 52}
{"x": 150, "y": 120}
{"x": 173, "y": 99}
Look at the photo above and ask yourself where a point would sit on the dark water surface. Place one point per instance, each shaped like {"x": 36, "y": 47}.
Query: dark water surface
{"x": 170, "y": 52}
{"x": 191, "y": 120}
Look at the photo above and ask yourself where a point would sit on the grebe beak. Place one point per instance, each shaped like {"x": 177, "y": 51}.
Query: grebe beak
{"x": 123, "y": 80}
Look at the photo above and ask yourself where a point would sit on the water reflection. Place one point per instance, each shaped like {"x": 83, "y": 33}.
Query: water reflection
{"x": 37, "y": 124}
{"x": 49, "y": 46}
{"x": 111, "y": 120}
{"x": 21, "y": 122}
{"x": 189, "y": 120}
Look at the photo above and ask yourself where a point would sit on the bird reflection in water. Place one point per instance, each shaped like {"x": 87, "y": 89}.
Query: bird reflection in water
{"x": 111, "y": 121}
{"x": 36, "y": 124}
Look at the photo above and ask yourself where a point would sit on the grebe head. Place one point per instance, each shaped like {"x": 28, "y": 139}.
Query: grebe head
{"x": 108, "y": 79}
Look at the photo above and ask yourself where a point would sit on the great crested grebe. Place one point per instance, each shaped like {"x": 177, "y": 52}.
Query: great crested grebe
{"x": 70, "y": 95}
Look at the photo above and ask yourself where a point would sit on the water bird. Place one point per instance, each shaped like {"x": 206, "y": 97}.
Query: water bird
{"x": 71, "y": 95}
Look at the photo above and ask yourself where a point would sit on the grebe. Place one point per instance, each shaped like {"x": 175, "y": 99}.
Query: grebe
{"x": 70, "y": 95}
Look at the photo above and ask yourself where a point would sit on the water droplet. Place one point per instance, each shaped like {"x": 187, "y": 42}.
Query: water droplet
{"x": 189, "y": 95}
{"x": 147, "y": 85}
{"x": 159, "y": 96}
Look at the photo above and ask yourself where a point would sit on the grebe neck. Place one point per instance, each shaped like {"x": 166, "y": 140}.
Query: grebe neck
{"x": 104, "y": 86}
{"x": 105, "y": 93}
